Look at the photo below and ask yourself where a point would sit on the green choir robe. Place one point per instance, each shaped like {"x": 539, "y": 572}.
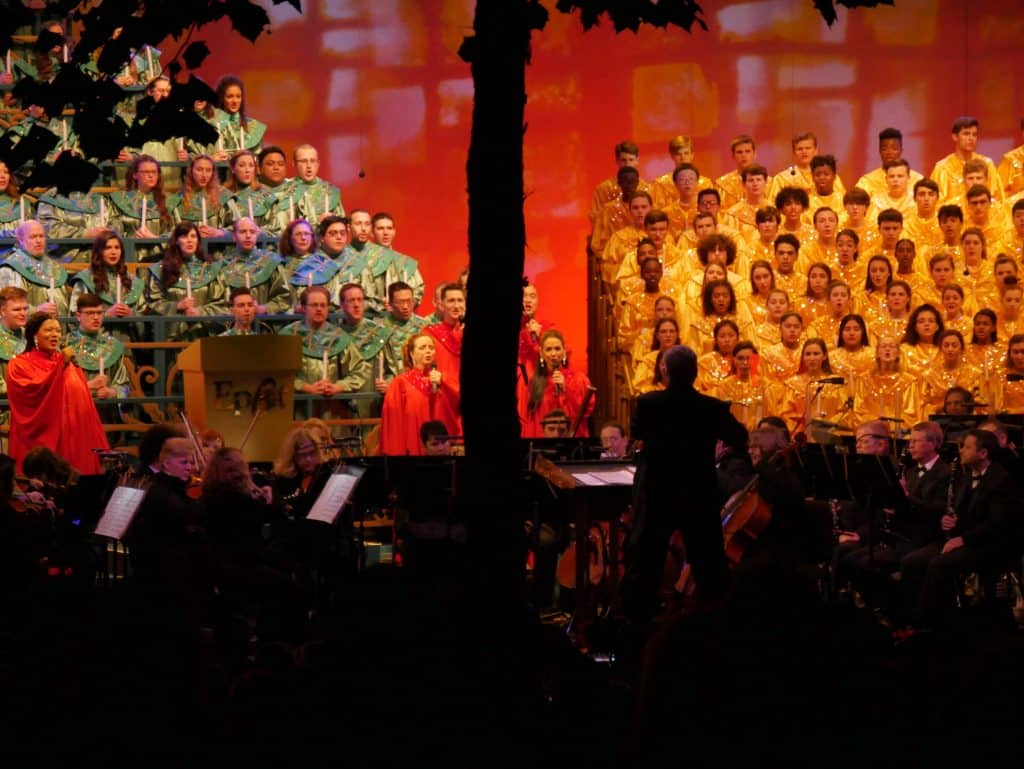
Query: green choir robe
{"x": 266, "y": 279}
{"x": 44, "y": 279}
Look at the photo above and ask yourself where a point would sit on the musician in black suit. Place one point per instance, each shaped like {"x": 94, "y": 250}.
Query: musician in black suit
{"x": 982, "y": 533}
{"x": 1007, "y": 455}
{"x": 913, "y": 525}
{"x": 676, "y": 486}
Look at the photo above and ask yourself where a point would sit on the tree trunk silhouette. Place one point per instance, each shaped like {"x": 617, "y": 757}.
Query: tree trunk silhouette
{"x": 498, "y": 54}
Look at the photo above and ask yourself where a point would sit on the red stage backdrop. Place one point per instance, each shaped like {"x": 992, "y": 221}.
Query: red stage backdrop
{"x": 377, "y": 85}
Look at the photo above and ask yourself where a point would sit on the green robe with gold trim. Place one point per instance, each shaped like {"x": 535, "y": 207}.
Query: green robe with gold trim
{"x": 11, "y": 343}
{"x": 36, "y": 276}
{"x": 235, "y": 138}
{"x": 207, "y": 292}
{"x": 344, "y": 364}
{"x": 11, "y": 213}
{"x": 374, "y": 272}
{"x": 72, "y": 216}
{"x": 398, "y": 332}
{"x": 306, "y": 200}
{"x": 89, "y": 348}
{"x": 267, "y": 279}
{"x": 316, "y": 269}
{"x": 126, "y": 217}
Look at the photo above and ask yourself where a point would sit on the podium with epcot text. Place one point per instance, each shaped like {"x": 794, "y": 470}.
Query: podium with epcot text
{"x": 242, "y": 387}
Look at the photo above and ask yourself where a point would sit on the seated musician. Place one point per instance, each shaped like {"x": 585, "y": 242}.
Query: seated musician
{"x": 435, "y": 438}
{"x": 925, "y": 483}
{"x": 159, "y": 534}
{"x": 555, "y": 424}
{"x": 614, "y": 441}
{"x": 299, "y": 473}
{"x": 872, "y": 499}
{"x": 980, "y": 533}
{"x": 792, "y": 536}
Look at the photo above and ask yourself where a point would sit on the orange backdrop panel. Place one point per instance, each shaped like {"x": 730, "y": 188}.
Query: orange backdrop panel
{"x": 378, "y": 87}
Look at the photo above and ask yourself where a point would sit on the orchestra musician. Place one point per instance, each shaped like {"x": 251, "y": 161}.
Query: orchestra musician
{"x": 979, "y": 531}
{"x": 924, "y": 481}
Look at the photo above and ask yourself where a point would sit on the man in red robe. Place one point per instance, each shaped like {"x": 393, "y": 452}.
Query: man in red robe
{"x": 448, "y": 333}
{"x": 529, "y": 334}
{"x": 50, "y": 401}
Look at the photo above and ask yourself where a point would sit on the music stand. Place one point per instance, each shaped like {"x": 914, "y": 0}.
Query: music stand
{"x": 955, "y": 426}
{"x": 606, "y": 485}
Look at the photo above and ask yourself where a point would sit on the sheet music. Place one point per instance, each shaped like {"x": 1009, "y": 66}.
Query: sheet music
{"x": 589, "y": 479}
{"x": 621, "y": 477}
{"x": 338, "y": 489}
{"x": 120, "y": 511}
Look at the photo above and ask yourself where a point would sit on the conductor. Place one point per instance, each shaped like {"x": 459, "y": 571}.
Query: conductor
{"x": 676, "y": 486}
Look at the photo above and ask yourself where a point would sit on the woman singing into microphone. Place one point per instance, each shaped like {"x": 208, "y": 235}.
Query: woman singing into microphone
{"x": 50, "y": 401}
{"x": 419, "y": 394}
{"x": 554, "y": 386}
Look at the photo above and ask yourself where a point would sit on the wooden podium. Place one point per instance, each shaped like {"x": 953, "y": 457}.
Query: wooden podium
{"x": 228, "y": 379}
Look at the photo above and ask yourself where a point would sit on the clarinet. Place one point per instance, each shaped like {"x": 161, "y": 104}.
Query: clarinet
{"x": 950, "y": 507}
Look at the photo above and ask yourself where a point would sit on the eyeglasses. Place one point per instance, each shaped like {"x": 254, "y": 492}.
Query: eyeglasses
{"x": 872, "y": 436}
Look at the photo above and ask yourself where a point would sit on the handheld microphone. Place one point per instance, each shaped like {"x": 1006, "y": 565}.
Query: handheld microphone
{"x": 832, "y": 380}
{"x": 433, "y": 385}
{"x": 558, "y": 387}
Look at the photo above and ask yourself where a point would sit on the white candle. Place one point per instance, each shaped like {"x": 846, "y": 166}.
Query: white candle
{"x": 325, "y": 364}
{"x": 203, "y": 201}
{"x": 181, "y": 144}
{"x": 188, "y": 286}
{"x": 143, "y": 220}
{"x": 241, "y": 138}
{"x": 21, "y": 208}
{"x": 101, "y": 364}
{"x": 64, "y": 133}
{"x": 327, "y": 202}
{"x": 103, "y": 213}
{"x": 248, "y": 281}
{"x": 250, "y": 210}
{"x": 309, "y": 279}
{"x": 117, "y": 284}
{"x": 8, "y": 59}
{"x": 291, "y": 208}
{"x": 53, "y": 291}
{"x": 220, "y": 144}
{"x": 149, "y": 61}
{"x": 65, "y": 53}
{"x": 380, "y": 364}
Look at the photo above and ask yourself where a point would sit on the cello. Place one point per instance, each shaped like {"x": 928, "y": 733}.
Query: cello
{"x": 745, "y": 516}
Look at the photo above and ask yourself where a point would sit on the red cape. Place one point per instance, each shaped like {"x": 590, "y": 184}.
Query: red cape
{"x": 570, "y": 400}
{"x": 447, "y": 349}
{"x": 51, "y": 406}
{"x": 409, "y": 403}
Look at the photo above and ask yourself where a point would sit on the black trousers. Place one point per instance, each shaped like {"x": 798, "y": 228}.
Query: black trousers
{"x": 701, "y": 527}
{"x": 930, "y": 578}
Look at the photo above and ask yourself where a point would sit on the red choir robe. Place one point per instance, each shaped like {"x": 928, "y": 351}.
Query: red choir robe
{"x": 570, "y": 400}
{"x": 448, "y": 349}
{"x": 529, "y": 347}
{"x": 408, "y": 403}
{"x": 51, "y": 406}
